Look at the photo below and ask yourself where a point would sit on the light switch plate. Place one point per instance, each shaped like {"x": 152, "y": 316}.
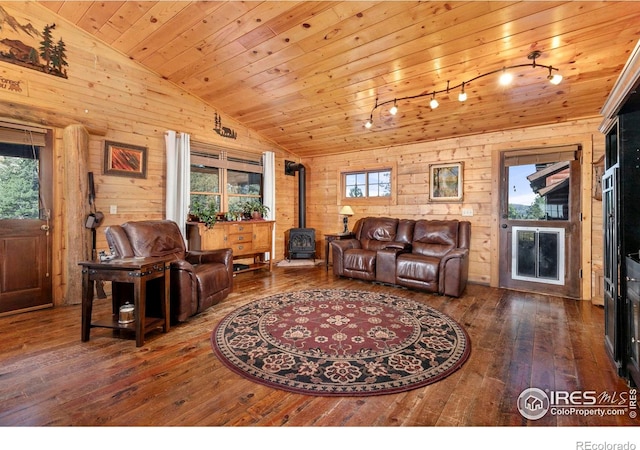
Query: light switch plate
{"x": 467, "y": 212}
{"x": 113, "y": 209}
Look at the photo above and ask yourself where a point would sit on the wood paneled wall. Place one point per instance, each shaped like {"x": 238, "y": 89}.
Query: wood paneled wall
{"x": 117, "y": 100}
{"x": 480, "y": 155}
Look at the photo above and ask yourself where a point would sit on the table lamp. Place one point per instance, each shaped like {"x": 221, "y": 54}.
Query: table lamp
{"x": 346, "y": 211}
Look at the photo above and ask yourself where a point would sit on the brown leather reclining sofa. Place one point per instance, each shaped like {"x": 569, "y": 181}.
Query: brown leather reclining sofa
{"x": 429, "y": 255}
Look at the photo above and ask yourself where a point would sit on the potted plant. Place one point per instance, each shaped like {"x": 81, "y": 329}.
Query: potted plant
{"x": 204, "y": 213}
{"x": 254, "y": 209}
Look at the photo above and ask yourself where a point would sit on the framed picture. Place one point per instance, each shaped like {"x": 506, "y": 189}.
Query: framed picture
{"x": 125, "y": 160}
{"x": 445, "y": 182}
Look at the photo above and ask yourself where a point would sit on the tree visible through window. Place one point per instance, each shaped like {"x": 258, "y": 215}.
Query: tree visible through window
{"x": 222, "y": 184}
{"x": 373, "y": 183}
{"x": 19, "y": 186}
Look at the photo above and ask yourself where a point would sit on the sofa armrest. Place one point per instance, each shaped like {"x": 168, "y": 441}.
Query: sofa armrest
{"x": 454, "y": 271}
{"x": 222, "y": 256}
{"x": 337, "y": 250}
{"x": 386, "y": 264}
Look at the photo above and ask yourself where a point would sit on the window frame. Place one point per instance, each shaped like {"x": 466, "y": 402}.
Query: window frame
{"x": 368, "y": 169}
{"x": 225, "y": 159}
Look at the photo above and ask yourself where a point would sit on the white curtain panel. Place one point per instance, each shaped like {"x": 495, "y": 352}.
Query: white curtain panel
{"x": 269, "y": 194}
{"x": 178, "y": 146}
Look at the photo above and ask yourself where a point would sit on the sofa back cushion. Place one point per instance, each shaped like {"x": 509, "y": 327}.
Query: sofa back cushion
{"x": 151, "y": 238}
{"x": 376, "y": 232}
{"x": 405, "y": 231}
{"x": 435, "y": 237}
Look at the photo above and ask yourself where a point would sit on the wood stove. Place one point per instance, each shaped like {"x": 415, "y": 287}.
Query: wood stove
{"x": 301, "y": 241}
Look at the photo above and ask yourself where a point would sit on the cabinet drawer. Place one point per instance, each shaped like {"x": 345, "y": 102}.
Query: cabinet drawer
{"x": 241, "y": 249}
{"x": 239, "y": 238}
{"x": 237, "y": 228}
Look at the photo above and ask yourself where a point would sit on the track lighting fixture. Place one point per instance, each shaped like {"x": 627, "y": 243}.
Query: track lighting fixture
{"x": 505, "y": 78}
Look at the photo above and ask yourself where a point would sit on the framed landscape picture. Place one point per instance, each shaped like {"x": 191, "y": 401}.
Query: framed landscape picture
{"x": 125, "y": 160}
{"x": 445, "y": 182}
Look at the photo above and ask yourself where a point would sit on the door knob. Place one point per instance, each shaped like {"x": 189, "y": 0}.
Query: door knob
{"x": 504, "y": 225}
{"x": 44, "y": 227}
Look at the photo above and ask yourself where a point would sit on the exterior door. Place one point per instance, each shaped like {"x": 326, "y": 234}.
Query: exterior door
{"x": 25, "y": 213}
{"x": 540, "y": 221}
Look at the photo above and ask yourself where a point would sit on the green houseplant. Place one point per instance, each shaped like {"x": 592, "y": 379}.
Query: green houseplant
{"x": 254, "y": 208}
{"x": 203, "y": 212}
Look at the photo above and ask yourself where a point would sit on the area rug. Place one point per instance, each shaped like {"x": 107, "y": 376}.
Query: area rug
{"x": 340, "y": 342}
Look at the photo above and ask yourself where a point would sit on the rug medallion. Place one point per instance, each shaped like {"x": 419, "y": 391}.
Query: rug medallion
{"x": 340, "y": 342}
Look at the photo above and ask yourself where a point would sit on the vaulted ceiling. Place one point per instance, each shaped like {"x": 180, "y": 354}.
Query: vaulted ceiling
{"x": 307, "y": 74}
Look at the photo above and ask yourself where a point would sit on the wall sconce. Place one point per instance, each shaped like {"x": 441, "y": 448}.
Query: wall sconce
{"x": 346, "y": 211}
{"x": 505, "y": 79}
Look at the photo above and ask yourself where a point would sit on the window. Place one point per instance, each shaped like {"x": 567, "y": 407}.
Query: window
{"x": 222, "y": 178}
{"x": 370, "y": 183}
{"x": 539, "y": 185}
{"x": 19, "y": 182}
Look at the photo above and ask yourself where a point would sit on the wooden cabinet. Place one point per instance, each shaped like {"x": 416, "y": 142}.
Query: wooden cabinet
{"x": 247, "y": 239}
{"x": 633, "y": 314}
{"x": 621, "y": 216}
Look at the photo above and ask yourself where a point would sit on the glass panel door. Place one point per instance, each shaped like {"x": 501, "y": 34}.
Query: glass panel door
{"x": 538, "y": 254}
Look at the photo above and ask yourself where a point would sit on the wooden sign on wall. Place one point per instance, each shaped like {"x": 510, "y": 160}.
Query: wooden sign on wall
{"x": 24, "y": 45}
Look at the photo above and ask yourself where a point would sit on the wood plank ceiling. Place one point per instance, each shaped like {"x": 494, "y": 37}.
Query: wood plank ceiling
{"x": 307, "y": 74}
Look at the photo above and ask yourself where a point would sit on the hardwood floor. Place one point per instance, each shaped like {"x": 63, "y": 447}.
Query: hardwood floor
{"x": 48, "y": 377}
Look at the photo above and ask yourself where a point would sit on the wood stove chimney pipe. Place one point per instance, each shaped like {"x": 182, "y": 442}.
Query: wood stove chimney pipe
{"x": 290, "y": 168}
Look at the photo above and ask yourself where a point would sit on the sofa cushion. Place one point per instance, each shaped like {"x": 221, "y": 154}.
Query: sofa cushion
{"x": 435, "y": 237}
{"x": 417, "y": 267}
{"x": 360, "y": 260}
{"x": 377, "y": 232}
{"x": 155, "y": 238}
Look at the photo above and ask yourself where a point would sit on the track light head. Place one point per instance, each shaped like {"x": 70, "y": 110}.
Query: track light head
{"x": 434, "y": 103}
{"x": 506, "y": 78}
{"x": 394, "y": 109}
{"x": 462, "y": 96}
{"x": 555, "y": 78}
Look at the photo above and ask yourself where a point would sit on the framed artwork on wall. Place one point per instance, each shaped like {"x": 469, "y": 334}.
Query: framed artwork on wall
{"x": 445, "y": 182}
{"x": 125, "y": 160}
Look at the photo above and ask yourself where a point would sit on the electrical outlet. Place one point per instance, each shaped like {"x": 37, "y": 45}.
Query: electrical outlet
{"x": 467, "y": 212}
{"x": 113, "y": 209}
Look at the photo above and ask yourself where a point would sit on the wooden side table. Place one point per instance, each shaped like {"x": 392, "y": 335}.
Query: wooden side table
{"x": 137, "y": 271}
{"x": 333, "y": 237}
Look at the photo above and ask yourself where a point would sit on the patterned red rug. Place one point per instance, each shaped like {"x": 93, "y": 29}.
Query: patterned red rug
{"x": 340, "y": 342}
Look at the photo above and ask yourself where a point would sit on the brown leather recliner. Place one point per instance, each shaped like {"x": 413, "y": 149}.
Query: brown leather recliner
{"x": 199, "y": 279}
{"x": 439, "y": 260}
{"x": 356, "y": 258}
